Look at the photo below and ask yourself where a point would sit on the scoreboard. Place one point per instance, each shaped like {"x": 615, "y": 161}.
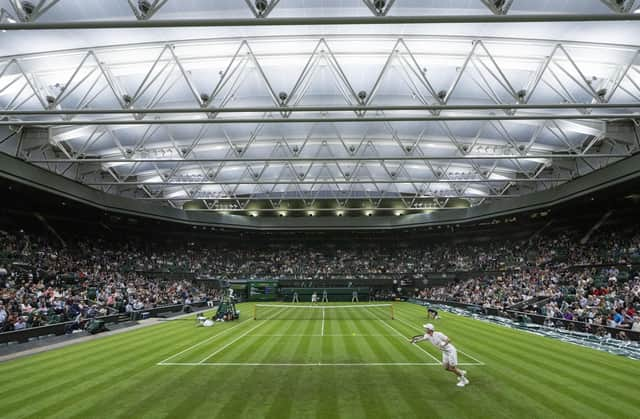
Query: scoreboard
{"x": 262, "y": 290}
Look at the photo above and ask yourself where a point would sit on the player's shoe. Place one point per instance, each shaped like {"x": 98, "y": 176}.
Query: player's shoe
{"x": 461, "y": 383}
{"x": 465, "y": 380}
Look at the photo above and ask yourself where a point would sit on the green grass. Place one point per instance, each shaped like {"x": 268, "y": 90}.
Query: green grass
{"x": 513, "y": 374}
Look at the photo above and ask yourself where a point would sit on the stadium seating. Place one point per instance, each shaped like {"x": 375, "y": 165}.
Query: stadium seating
{"x": 553, "y": 275}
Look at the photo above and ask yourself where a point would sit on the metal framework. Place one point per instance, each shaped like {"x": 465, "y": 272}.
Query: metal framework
{"x": 365, "y": 122}
{"x": 320, "y": 21}
{"x": 28, "y": 12}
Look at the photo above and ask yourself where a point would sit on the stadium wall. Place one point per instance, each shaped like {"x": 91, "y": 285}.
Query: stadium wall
{"x": 20, "y": 171}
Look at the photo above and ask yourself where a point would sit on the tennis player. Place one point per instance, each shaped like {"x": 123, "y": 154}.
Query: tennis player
{"x": 432, "y": 313}
{"x": 449, "y": 352}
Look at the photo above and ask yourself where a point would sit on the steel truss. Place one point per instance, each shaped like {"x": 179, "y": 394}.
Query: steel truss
{"x": 25, "y": 14}
{"x": 318, "y": 21}
{"x": 524, "y": 130}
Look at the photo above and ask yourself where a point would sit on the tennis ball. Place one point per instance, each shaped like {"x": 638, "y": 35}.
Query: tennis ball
{"x": 353, "y": 334}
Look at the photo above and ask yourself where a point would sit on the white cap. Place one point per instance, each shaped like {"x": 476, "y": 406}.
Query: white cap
{"x": 428, "y": 326}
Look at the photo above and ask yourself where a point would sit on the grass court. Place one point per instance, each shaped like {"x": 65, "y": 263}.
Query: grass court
{"x": 352, "y": 363}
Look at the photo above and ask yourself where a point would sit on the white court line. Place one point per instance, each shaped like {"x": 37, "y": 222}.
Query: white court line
{"x": 309, "y": 364}
{"x": 317, "y": 364}
{"x": 474, "y": 358}
{"x": 317, "y": 336}
{"x": 464, "y": 353}
{"x": 231, "y": 343}
{"x": 200, "y": 343}
{"x": 405, "y": 337}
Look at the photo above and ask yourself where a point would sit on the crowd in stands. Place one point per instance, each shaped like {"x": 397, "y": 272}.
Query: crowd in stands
{"x": 42, "y": 284}
{"x": 597, "y": 283}
{"x": 43, "y": 281}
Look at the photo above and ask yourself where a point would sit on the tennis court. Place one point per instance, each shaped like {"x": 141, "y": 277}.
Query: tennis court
{"x": 298, "y": 366}
{"x": 320, "y": 335}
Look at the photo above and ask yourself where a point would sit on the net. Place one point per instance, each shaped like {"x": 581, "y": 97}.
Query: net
{"x": 320, "y": 312}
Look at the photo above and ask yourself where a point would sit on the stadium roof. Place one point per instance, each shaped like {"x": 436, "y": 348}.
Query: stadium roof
{"x": 300, "y": 107}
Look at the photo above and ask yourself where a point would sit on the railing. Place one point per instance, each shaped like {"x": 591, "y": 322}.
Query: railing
{"x": 576, "y": 325}
{"x": 153, "y": 312}
{"x": 539, "y": 319}
{"x": 25, "y": 335}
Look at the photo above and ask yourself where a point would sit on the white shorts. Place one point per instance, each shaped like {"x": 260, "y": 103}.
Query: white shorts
{"x": 450, "y": 357}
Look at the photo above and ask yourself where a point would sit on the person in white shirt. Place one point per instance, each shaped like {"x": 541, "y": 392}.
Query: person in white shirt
{"x": 449, "y": 352}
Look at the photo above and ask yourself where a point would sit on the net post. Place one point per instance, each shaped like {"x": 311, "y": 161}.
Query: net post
{"x": 391, "y": 311}
{"x": 254, "y": 313}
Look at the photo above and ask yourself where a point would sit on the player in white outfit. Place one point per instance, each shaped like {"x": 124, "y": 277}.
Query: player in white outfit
{"x": 449, "y": 352}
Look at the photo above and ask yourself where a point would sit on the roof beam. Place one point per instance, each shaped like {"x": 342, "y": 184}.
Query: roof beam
{"x": 379, "y": 7}
{"x": 229, "y": 121}
{"x": 620, "y": 6}
{"x": 325, "y": 159}
{"x": 321, "y": 21}
{"x": 328, "y": 108}
{"x": 498, "y": 7}
{"x": 356, "y": 196}
{"x": 327, "y": 182}
{"x": 261, "y": 8}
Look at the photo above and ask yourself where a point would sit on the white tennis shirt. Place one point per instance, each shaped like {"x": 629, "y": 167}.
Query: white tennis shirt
{"x": 437, "y": 339}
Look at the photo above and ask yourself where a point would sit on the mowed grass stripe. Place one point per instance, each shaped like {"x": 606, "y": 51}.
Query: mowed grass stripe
{"x": 608, "y": 362}
{"x": 128, "y": 401}
{"x": 406, "y": 329}
{"x": 105, "y": 379}
{"x": 380, "y": 347}
{"x": 525, "y": 376}
{"x": 556, "y": 374}
{"x": 56, "y": 373}
{"x": 349, "y": 397}
{"x": 166, "y": 381}
{"x": 102, "y": 356}
{"x": 463, "y": 357}
{"x": 199, "y": 352}
{"x": 326, "y": 404}
{"x": 67, "y": 358}
{"x": 393, "y": 343}
{"x": 182, "y": 386}
{"x": 203, "y": 390}
{"x": 563, "y": 367}
{"x": 61, "y": 355}
{"x": 281, "y": 402}
{"x": 430, "y": 353}
{"x": 262, "y": 379}
{"x": 579, "y": 358}
{"x": 490, "y": 341}
{"x": 209, "y": 335}
{"x": 390, "y": 348}
{"x": 420, "y": 376}
{"x": 99, "y": 367}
